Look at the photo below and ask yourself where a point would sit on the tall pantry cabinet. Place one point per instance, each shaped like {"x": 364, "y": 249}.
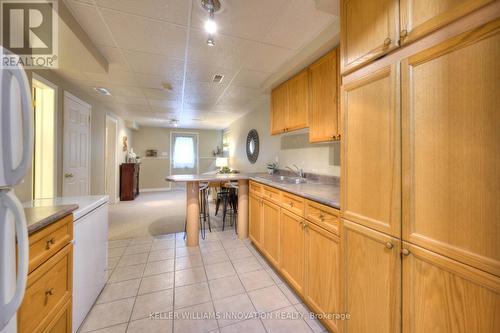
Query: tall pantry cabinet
{"x": 421, "y": 172}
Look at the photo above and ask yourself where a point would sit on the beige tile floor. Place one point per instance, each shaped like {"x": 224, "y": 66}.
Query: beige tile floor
{"x": 223, "y": 275}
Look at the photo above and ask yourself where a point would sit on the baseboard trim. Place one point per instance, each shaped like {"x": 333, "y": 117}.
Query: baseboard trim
{"x": 160, "y": 189}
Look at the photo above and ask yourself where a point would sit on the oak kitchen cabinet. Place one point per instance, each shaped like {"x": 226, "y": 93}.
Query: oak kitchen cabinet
{"x": 369, "y": 29}
{"x": 324, "y": 91}
{"x": 292, "y": 248}
{"x": 307, "y": 235}
{"x": 451, "y": 141}
{"x": 271, "y": 231}
{"x": 47, "y": 302}
{"x": 443, "y": 295}
{"x": 371, "y": 170}
{"x": 255, "y": 215}
{"x": 290, "y": 104}
{"x": 372, "y": 269}
{"x": 421, "y": 17}
{"x": 323, "y": 284}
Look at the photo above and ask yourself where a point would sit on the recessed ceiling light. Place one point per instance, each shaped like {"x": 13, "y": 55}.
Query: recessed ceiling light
{"x": 102, "y": 91}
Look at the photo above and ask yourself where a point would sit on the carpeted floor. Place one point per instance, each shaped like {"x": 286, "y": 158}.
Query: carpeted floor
{"x": 153, "y": 214}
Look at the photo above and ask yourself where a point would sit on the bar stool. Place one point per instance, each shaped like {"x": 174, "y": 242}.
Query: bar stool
{"x": 204, "y": 210}
{"x": 231, "y": 205}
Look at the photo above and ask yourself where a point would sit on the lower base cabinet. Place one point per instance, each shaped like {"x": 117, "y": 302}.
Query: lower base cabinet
{"x": 372, "y": 269}
{"x": 292, "y": 249}
{"x": 271, "y": 231}
{"x": 255, "y": 218}
{"x": 442, "y": 295}
{"x": 323, "y": 278}
{"x": 63, "y": 320}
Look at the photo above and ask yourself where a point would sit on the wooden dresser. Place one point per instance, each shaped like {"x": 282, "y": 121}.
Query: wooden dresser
{"x": 47, "y": 302}
{"x": 129, "y": 181}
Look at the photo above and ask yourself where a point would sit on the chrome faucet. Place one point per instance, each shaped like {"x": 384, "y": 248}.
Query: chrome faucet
{"x": 298, "y": 171}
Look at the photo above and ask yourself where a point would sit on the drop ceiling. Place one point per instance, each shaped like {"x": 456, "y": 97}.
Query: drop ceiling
{"x": 152, "y": 42}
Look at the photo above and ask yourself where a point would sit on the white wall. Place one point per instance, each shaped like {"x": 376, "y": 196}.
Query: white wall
{"x": 288, "y": 149}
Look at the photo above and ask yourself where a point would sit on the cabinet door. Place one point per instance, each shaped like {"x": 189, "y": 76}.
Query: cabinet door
{"x": 323, "y": 273}
{"x": 451, "y": 145}
{"x": 372, "y": 267}
{"x": 298, "y": 101}
{"x": 324, "y": 85}
{"x": 443, "y": 295}
{"x": 371, "y": 180}
{"x": 421, "y": 17}
{"x": 369, "y": 30}
{"x": 271, "y": 232}
{"x": 292, "y": 249}
{"x": 279, "y": 109}
{"x": 62, "y": 323}
{"x": 255, "y": 217}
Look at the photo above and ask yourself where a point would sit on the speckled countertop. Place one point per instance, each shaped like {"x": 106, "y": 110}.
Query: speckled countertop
{"x": 325, "y": 190}
{"x": 39, "y": 217}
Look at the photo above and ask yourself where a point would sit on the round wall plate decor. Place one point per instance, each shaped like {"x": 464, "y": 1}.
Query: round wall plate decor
{"x": 252, "y": 146}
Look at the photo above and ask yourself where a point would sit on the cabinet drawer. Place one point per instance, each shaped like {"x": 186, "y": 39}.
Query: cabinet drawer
{"x": 49, "y": 288}
{"x": 62, "y": 322}
{"x": 272, "y": 194}
{"x": 293, "y": 203}
{"x": 46, "y": 242}
{"x": 256, "y": 188}
{"x": 323, "y": 216}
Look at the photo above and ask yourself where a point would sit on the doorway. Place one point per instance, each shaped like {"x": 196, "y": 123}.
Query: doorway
{"x": 184, "y": 154}
{"x": 111, "y": 141}
{"x": 45, "y": 130}
{"x": 76, "y": 151}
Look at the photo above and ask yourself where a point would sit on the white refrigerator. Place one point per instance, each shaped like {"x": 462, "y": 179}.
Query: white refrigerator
{"x": 16, "y": 148}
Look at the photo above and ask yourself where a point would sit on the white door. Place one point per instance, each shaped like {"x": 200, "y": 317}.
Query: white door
{"x": 76, "y": 164}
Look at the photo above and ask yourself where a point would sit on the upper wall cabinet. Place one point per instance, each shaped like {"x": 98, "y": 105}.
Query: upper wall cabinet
{"x": 421, "y": 17}
{"x": 323, "y": 113}
{"x": 279, "y": 109}
{"x": 370, "y": 29}
{"x": 451, "y": 145}
{"x": 290, "y": 103}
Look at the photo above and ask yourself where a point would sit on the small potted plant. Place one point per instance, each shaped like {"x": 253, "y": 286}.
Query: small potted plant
{"x": 271, "y": 168}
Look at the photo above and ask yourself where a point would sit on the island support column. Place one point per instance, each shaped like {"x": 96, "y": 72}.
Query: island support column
{"x": 192, "y": 214}
{"x": 242, "y": 209}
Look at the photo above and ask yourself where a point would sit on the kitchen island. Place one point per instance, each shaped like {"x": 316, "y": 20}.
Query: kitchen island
{"x": 319, "y": 190}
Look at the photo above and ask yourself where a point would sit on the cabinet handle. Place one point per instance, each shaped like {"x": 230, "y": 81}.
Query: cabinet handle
{"x": 387, "y": 41}
{"x": 50, "y": 242}
{"x": 321, "y": 217}
{"x": 306, "y": 225}
{"x": 405, "y": 252}
{"x": 402, "y": 35}
{"x": 48, "y": 293}
{"x": 291, "y": 203}
{"x": 389, "y": 245}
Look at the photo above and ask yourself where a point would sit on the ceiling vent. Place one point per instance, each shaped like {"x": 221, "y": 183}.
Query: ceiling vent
{"x": 102, "y": 91}
{"x": 218, "y": 78}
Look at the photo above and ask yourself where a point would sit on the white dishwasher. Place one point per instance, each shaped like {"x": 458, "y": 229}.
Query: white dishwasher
{"x": 90, "y": 256}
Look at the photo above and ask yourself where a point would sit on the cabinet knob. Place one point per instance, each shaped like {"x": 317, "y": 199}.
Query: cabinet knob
{"x": 50, "y": 242}
{"x": 405, "y": 252}
{"x": 387, "y": 42}
{"x": 389, "y": 245}
{"x": 291, "y": 203}
{"x": 403, "y": 33}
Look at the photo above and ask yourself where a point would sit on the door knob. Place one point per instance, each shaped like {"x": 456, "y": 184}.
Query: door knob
{"x": 68, "y": 175}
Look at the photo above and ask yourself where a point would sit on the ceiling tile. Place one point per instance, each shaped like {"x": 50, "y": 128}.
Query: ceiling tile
{"x": 245, "y": 19}
{"x": 250, "y": 79}
{"x": 228, "y": 52}
{"x": 146, "y": 35}
{"x": 161, "y": 93}
{"x": 298, "y": 23}
{"x": 175, "y": 11}
{"x": 266, "y": 58}
{"x": 114, "y": 76}
{"x": 89, "y": 19}
{"x": 155, "y": 65}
